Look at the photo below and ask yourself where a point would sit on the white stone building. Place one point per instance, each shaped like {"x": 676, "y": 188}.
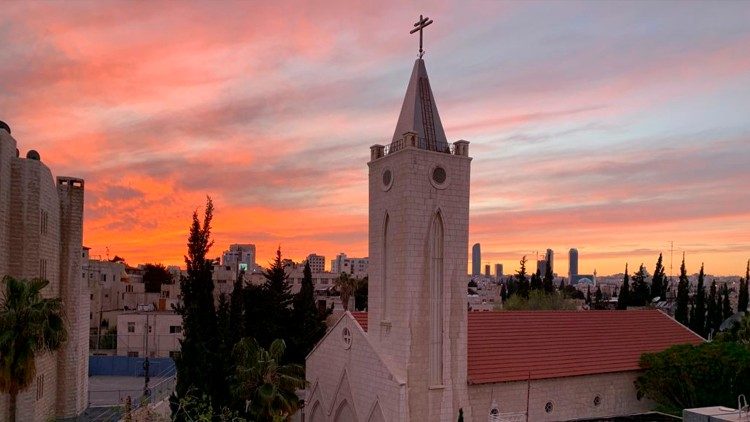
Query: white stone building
{"x": 148, "y": 333}
{"x": 417, "y": 354}
{"x": 41, "y": 231}
{"x": 356, "y": 267}
{"x": 317, "y": 263}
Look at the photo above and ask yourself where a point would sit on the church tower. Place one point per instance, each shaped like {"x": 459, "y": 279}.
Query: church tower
{"x": 418, "y": 234}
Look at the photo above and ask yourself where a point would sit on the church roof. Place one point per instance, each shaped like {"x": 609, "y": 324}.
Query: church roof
{"x": 419, "y": 112}
{"x": 520, "y": 345}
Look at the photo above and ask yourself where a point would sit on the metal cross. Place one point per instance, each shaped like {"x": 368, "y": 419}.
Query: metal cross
{"x": 418, "y": 26}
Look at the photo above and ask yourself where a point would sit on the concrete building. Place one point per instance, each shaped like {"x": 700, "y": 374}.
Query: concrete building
{"x": 418, "y": 354}
{"x": 41, "y": 231}
{"x": 317, "y": 263}
{"x": 476, "y": 259}
{"x": 240, "y": 256}
{"x": 487, "y": 270}
{"x": 154, "y": 334}
{"x": 356, "y": 267}
{"x": 499, "y": 271}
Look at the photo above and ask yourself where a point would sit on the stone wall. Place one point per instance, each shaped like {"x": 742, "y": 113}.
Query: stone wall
{"x": 571, "y": 397}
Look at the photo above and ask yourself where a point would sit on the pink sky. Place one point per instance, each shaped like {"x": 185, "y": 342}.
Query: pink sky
{"x": 614, "y": 128}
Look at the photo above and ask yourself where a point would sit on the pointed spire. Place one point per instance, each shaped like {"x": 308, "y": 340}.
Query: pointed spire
{"x": 419, "y": 113}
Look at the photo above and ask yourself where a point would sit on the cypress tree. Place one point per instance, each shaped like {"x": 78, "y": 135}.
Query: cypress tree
{"x": 522, "y": 284}
{"x": 598, "y": 296}
{"x": 562, "y": 285}
{"x": 548, "y": 282}
{"x": 683, "y": 296}
{"x": 640, "y": 293}
{"x": 658, "y": 283}
{"x": 726, "y": 306}
{"x": 503, "y": 292}
{"x": 623, "y": 298}
{"x": 197, "y": 360}
{"x": 588, "y": 295}
{"x": 698, "y": 317}
{"x": 711, "y": 314}
{"x": 742, "y": 300}
{"x": 236, "y": 309}
{"x": 308, "y": 322}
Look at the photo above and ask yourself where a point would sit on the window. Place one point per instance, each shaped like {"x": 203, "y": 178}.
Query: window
{"x": 129, "y": 288}
{"x": 174, "y": 354}
{"x": 549, "y": 407}
{"x": 40, "y": 387}
{"x": 43, "y": 268}
{"x": 43, "y": 222}
{"x": 91, "y": 296}
{"x": 597, "y": 401}
{"x": 104, "y": 277}
{"x": 436, "y": 300}
{"x": 175, "y": 329}
{"x": 131, "y": 327}
{"x": 132, "y": 354}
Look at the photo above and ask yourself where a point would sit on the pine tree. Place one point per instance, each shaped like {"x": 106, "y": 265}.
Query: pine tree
{"x": 639, "y": 294}
{"x": 548, "y": 282}
{"x": 196, "y": 363}
{"x": 742, "y": 300}
{"x": 726, "y": 306}
{"x": 698, "y": 317}
{"x": 624, "y": 297}
{"x": 658, "y": 283}
{"x": 273, "y": 305}
{"x": 522, "y": 284}
{"x": 683, "y": 296}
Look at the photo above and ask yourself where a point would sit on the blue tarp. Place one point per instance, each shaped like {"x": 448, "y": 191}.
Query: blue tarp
{"x": 130, "y": 366}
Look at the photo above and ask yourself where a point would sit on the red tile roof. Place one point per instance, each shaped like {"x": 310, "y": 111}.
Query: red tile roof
{"x": 518, "y": 345}
{"x": 361, "y": 318}
{"x": 514, "y": 346}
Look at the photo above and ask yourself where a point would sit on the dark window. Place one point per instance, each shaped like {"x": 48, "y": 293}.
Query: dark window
{"x": 438, "y": 175}
{"x": 174, "y": 329}
{"x": 132, "y": 354}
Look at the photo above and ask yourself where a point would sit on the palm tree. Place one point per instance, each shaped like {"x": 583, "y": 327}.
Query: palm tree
{"x": 346, "y": 286}
{"x": 29, "y": 327}
{"x": 268, "y": 388}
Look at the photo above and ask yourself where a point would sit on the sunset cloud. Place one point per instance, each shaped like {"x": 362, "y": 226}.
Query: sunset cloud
{"x": 613, "y": 128}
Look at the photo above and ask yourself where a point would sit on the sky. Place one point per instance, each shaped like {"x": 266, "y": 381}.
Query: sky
{"x": 612, "y": 127}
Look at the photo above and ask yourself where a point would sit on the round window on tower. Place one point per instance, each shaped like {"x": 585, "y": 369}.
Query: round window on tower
{"x": 549, "y": 407}
{"x": 439, "y": 177}
{"x": 387, "y": 179}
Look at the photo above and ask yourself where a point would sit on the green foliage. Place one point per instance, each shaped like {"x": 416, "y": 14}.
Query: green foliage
{"x": 154, "y": 275}
{"x": 308, "y": 323}
{"x": 29, "y": 326}
{"x": 726, "y": 306}
{"x": 539, "y": 301}
{"x": 624, "y": 297}
{"x": 199, "y": 409}
{"x": 698, "y": 314}
{"x": 536, "y": 282}
{"x": 598, "y": 297}
{"x": 685, "y": 376}
{"x": 713, "y": 312}
{"x": 346, "y": 286}
{"x": 739, "y": 333}
{"x": 268, "y": 386}
{"x": 683, "y": 290}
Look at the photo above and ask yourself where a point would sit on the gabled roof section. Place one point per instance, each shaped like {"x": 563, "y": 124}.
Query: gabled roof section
{"x": 518, "y": 345}
{"x": 419, "y": 113}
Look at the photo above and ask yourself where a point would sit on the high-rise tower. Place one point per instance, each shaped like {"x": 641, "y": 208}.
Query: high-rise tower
{"x": 572, "y": 263}
{"x": 476, "y": 259}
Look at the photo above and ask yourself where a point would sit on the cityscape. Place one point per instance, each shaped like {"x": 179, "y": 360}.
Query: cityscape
{"x": 207, "y": 213}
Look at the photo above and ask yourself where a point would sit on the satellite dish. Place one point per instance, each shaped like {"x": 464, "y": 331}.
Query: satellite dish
{"x": 656, "y": 299}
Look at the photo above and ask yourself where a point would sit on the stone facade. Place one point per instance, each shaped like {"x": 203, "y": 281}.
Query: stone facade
{"x": 41, "y": 230}
{"x": 570, "y": 397}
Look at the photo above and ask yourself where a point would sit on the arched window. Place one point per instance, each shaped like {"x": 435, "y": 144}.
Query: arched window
{"x": 436, "y": 300}
{"x": 344, "y": 413}
{"x": 385, "y": 254}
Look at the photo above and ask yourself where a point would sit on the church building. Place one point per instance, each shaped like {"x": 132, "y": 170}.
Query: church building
{"x": 418, "y": 354}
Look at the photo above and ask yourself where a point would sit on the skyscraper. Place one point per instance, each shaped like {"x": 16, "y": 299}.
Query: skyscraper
{"x": 550, "y": 258}
{"x": 476, "y": 259}
{"x": 572, "y": 263}
{"x": 499, "y": 270}
{"x": 487, "y": 270}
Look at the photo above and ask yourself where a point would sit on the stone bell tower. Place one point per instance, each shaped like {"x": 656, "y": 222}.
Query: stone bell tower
{"x": 418, "y": 228}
